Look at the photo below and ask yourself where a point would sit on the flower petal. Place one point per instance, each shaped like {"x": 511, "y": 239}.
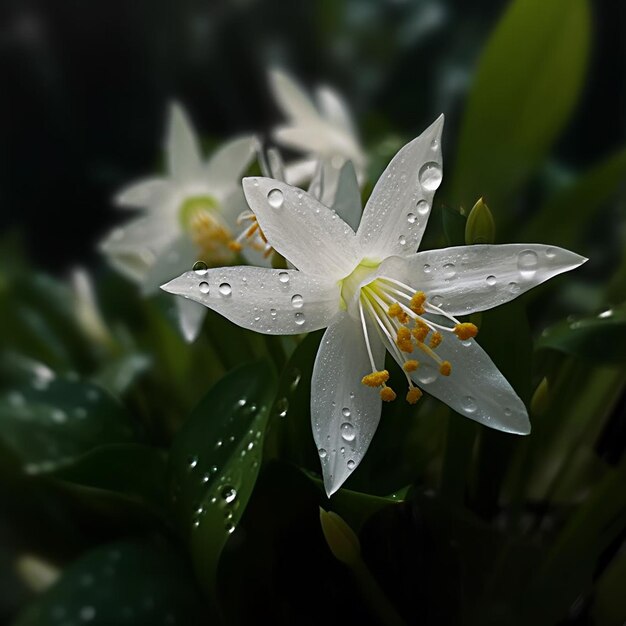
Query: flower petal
{"x": 227, "y": 165}
{"x": 273, "y": 302}
{"x": 344, "y": 412}
{"x": 144, "y": 193}
{"x": 184, "y": 159}
{"x": 475, "y": 387}
{"x": 395, "y": 216}
{"x": 334, "y": 109}
{"x": 291, "y": 98}
{"x": 304, "y": 231}
{"x": 190, "y": 318}
{"x": 347, "y": 201}
{"x": 466, "y": 279}
{"x": 298, "y": 172}
{"x": 173, "y": 260}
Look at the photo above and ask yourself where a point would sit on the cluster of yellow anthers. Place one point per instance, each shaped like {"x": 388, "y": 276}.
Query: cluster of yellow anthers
{"x": 399, "y": 313}
{"x": 210, "y": 236}
{"x": 252, "y": 236}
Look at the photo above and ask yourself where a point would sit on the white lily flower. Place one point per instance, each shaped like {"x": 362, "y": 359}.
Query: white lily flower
{"x": 324, "y": 131}
{"x": 188, "y": 215}
{"x": 374, "y": 293}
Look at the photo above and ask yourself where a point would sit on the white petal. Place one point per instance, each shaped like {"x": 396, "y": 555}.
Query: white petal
{"x": 182, "y": 148}
{"x": 344, "y": 412}
{"x": 396, "y": 214}
{"x": 273, "y": 302}
{"x": 314, "y": 137}
{"x": 291, "y": 98}
{"x": 475, "y": 387}
{"x": 173, "y": 260}
{"x": 466, "y": 279}
{"x": 142, "y": 233}
{"x": 190, "y": 317}
{"x": 308, "y": 234}
{"x": 227, "y": 165}
{"x": 347, "y": 201}
{"x": 297, "y": 172}
{"x": 334, "y": 109}
{"x": 145, "y": 193}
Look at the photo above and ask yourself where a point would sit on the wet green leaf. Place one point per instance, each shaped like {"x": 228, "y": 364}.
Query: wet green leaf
{"x": 527, "y": 83}
{"x": 120, "y": 584}
{"x": 215, "y": 460}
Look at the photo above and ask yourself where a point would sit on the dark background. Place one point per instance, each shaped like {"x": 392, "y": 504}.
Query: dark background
{"x": 84, "y": 87}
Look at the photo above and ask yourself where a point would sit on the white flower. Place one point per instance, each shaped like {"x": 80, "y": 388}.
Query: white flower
{"x": 188, "y": 215}
{"x": 374, "y": 293}
{"x": 324, "y": 132}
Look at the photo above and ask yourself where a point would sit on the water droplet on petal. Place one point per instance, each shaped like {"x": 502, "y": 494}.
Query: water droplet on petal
{"x": 322, "y": 452}
{"x": 300, "y": 319}
{"x": 283, "y": 277}
{"x": 527, "y": 263}
{"x": 427, "y": 268}
{"x": 345, "y": 412}
{"x": 434, "y": 144}
{"x": 411, "y": 218}
{"x": 469, "y": 404}
{"x": 200, "y": 268}
{"x": 228, "y": 494}
{"x": 402, "y": 240}
{"x": 426, "y": 374}
{"x": 422, "y": 207}
{"x": 508, "y": 412}
{"x": 351, "y": 464}
{"x": 275, "y": 198}
{"x": 436, "y": 300}
{"x": 273, "y": 312}
{"x": 514, "y": 288}
{"x": 449, "y": 271}
{"x": 347, "y": 431}
{"x": 297, "y": 301}
{"x": 491, "y": 280}
{"x": 204, "y": 287}
{"x": 550, "y": 253}
{"x": 225, "y": 289}
{"x": 430, "y": 176}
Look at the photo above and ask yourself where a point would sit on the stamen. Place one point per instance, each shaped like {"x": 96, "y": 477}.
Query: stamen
{"x": 435, "y": 339}
{"x": 417, "y": 302}
{"x": 376, "y": 379}
{"x": 466, "y": 330}
{"x": 403, "y": 340}
{"x": 410, "y": 365}
{"x": 387, "y": 394}
{"x": 445, "y": 368}
{"x": 252, "y": 237}
{"x": 413, "y": 395}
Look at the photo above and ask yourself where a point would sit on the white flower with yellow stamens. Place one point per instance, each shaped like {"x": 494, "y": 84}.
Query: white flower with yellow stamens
{"x": 188, "y": 215}
{"x": 324, "y": 130}
{"x": 375, "y": 293}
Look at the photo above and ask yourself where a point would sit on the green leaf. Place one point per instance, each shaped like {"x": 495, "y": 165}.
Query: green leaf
{"x": 121, "y": 583}
{"x": 567, "y": 213}
{"x": 215, "y": 460}
{"x": 53, "y": 421}
{"x": 599, "y": 338}
{"x": 527, "y": 83}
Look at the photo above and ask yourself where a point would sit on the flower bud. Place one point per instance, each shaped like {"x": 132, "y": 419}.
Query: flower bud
{"x": 540, "y": 399}
{"x": 341, "y": 539}
{"x": 480, "y": 226}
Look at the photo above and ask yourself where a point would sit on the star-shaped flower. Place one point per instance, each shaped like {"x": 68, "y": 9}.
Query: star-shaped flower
{"x": 188, "y": 215}
{"x": 374, "y": 293}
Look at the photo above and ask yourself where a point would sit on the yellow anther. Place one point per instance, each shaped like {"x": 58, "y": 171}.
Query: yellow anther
{"x": 387, "y": 394}
{"x": 466, "y": 330}
{"x": 410, "y": 365}
{"x": 413, "y": 395}
{"x": 235, "y": 246}
{"x": 394, "y": 310}
{"x": 445, "y": 368}
{"x": 435, "y": 339}
{"x": 376, "y": 379}
{"x": 420, "y": 332}
{"x": 403, "y": 339}
{"x": 417, "y": 302}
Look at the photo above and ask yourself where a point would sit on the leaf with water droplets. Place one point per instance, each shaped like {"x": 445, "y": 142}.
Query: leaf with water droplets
{"x": 120, "y": 583}
{"x": 215, "y": 461}
{"x": 600, "y": 338}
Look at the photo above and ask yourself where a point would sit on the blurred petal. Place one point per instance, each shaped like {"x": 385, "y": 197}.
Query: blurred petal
{"x": 347, "y": 201}
{"x": 273, "y": 302}
{"x": 190, "y": 317}
{"x": 305, "y": 232}
{"x": 467, "y": 279}
{"x": 344, "y": 412}
{"x": 475, "y": 387}
{"x": 297, "y": 172}
{"x": 227, "y": 165}
{"x": 184, "y": 160}
{"x": 334, "y": 109}
{"x": 173, "y": 260}
{"x": 396, "y": 214}
{"x": 144, "y": 194}
{"x": 291, "y": 98}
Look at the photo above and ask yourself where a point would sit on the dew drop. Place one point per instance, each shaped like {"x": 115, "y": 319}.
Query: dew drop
{"x": 347, "y": 432}
{"x": 351, "y": 464}
{"x": 192, "y": 462}
{"x": 430, "y": 176}
{"x": 283, "y": 277}
{"x": 508, "y": 412}
{"x": 300, "y": 319}
{"x": 469, "y": 404}
{"x": 449, "y": 271}
{"x": 275, "y": 198}
{"x": 411, "y": 218}
{"x": 273, "y": 313}
{"x": 204, "y": 287}
{"x": 297, "y": 301}
{"x": 422, "y": 207}
{"x": 514, "y": 288}
{"x": 550, "y": 253}
{"x": 402, "y": 240}
{"x": 427, "y": 269}
{"x": 282, "y": 406}
{"x": 436, "y": 300}
{"x": 230, "y": 528}
{"x": 345, "y": 411}
{"x": 527, "y": 263}
{"x": 200, "y": 268}
{"x": 228, "y": 494}
{"x": 426, "y": 374}
{"x": 491, "y": 280}
{"x": 225, "y": 289}
{"x": 434, "y": 144}
{"x": 606, "y": 314}
{"x": 322, "y": 452}
{"x": 296, "y": 375}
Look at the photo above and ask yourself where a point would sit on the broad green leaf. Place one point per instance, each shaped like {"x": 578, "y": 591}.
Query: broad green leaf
{"x": 568, "y": 212}
{"x": 120, "y": 584}
{"x": 527, "y": 83}
{"x": 215, "y": 460}
{"x": 600, "y": 338}
{"x": 54, "y": 420}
